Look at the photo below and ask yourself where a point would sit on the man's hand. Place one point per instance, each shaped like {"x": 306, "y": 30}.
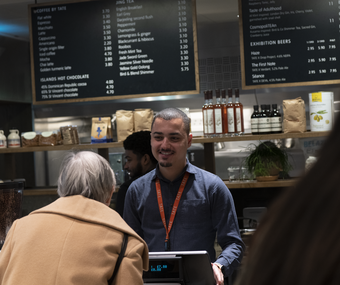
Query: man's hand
{"x": 218, "y": 275}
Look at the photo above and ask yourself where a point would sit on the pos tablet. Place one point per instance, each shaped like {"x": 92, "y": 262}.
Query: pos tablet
{"x": 179, "y": 267}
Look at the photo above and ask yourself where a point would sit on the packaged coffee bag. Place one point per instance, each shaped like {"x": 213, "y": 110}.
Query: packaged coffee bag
{"x": 143, "y": 119}
{"x": 101, "y": 131}
{"x": 69, "y": 134}
{"x": 294, "y": 116}
{"x": 124, "y": 120}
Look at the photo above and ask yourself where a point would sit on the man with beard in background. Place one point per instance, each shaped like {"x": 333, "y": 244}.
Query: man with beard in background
{"x": 138, "y": 161}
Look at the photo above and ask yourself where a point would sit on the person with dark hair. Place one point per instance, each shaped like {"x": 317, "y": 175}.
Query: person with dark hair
{"x": 297, "y": 240}
{"x": 138, "y": 161}
{"x": 77, "y": 239}
{"x": 180, "y": 207}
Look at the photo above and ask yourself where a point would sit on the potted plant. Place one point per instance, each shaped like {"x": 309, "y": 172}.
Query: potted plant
{"x": 266, "y": 161}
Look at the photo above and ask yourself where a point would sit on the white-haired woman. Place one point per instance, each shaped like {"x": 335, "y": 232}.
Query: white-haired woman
{"x": 77, "y": 239}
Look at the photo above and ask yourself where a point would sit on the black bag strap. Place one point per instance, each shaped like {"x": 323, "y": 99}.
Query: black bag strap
{"x": 120, "y": 257}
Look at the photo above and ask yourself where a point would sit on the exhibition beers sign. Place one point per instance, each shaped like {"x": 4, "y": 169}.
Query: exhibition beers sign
{"x": 289, "y": 43}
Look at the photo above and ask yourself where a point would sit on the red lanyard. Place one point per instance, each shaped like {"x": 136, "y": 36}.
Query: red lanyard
{"x": 174, "y": 208}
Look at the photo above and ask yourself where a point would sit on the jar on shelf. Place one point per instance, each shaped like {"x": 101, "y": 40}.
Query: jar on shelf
{"x": 13, "y": 138}
{"x": 3, "y": 140}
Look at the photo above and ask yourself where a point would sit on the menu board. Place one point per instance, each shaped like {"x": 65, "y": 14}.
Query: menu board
{"x": 289, "y": 42}
{"x": 106, "y": 50}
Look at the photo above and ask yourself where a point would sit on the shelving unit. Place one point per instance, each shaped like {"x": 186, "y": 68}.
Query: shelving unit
{"x": 230, "y": 185}
{"x": 103, "y": 150}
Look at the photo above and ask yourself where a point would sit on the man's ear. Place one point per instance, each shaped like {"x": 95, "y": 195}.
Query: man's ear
{"x": 189, "y": 140}
{"x": 145, "y": 159}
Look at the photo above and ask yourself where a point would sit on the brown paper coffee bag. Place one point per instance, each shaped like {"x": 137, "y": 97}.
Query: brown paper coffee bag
{"x": 101, "y": 130}
{"x": 294, "y": 116}
{"x": 143, "y": 119}
{"x": 124, "y": 120}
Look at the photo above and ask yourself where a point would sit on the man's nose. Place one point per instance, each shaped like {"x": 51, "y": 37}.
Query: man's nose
{"x": 125, "y": 165}
{"x": 165, "y": 143}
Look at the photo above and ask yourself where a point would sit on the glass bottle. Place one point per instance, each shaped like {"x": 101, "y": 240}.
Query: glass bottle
{"x": 204, "y": 112}
{"x": 225, "y": 114}
{"x": 276, "y": 120}
{"x": 210, "y": 115}
{"x": 264, "y": 122}
{"x": 218, "y": 115}
{"x": 269, "y": 114}
{"x": 255, "y": 120}
{"x": 238, "y": 113}
{"x": 231, "y": 113}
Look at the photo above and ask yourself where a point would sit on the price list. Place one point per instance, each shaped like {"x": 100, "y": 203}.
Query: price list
{"x": 105, "y": 50}
{"x": 288, "y": 42}
{"x": 183, "y": 35}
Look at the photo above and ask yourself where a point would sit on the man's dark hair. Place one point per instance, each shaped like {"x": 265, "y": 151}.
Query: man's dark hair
{"x": 140, "y": 144}
{"x": 173, "y": 113}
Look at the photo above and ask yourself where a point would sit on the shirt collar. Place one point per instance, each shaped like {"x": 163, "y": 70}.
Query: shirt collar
{"x": 188, "y": 168}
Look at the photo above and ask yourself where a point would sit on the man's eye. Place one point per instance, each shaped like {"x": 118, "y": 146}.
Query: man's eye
{"x": 158, "y": 138}
{"x": 174, "y": 138}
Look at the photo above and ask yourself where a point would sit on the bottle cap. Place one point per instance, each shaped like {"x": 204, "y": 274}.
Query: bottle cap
{"x": 223, "y": 93}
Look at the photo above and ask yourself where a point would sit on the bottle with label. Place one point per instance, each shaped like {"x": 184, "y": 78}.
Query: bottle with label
{"x": 269, "y": 114}
{"x": 255, "y": 120}
{"x": 231, "y": 113}
{"x": 218, "y": 115}
{"x": 13, "y": 138}
{"x": 264, "y": 122}
{"x": 204, "y": 113}
{"x": 276, "y": 120}
{"x": 224, "y": 114}
{"x": 238, "y": 113}
{"x": 210, "y": 115}
{"x": 3, "y": 140}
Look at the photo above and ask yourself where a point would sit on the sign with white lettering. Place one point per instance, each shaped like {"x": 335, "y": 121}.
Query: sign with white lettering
{"x": 289, "y": 43}
{"x": 107, "y": 50}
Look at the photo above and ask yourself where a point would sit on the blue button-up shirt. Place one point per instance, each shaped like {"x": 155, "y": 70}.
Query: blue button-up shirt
{"x": 206, "y": 207}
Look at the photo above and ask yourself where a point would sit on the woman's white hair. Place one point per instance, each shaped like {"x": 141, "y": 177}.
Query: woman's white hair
{"x": 86, "y": 173}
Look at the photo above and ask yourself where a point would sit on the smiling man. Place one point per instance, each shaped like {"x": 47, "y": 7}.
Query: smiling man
{"x": 195, "y": 203}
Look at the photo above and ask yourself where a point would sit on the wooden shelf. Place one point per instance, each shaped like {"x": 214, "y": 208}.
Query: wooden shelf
{"x": 245, "y": 137}
{"x": 39, "y": 192}
{"x": 47, "y": 191}
{"x": 255, "y": 184}
{"x": 230, "y": 185}
{"x": 62, "y": 147}
{"x": 250, "y": 137}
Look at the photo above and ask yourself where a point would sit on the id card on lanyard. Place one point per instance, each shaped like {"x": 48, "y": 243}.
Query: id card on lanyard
{"x": 174, "y": 208}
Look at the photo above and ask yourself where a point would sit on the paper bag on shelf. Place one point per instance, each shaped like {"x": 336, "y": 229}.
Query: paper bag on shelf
{"x": 294, "y": 116}
{"x": 142, "y": 119}
{"x": 124, "y": 120}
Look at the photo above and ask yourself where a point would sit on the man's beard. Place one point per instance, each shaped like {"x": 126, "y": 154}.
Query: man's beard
{"x": 165, "y": 164}
{"x": 138, "y": 171}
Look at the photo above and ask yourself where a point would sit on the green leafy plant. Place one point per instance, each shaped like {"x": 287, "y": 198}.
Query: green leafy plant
{"x": 266, "y": 159}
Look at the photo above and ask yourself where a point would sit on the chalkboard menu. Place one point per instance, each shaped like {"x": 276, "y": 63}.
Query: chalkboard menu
{"x": 289, "y": 42}
{"x": 112, "y": 49}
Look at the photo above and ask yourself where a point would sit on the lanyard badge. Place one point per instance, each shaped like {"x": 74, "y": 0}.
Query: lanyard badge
{"x": 174, "y": 208}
